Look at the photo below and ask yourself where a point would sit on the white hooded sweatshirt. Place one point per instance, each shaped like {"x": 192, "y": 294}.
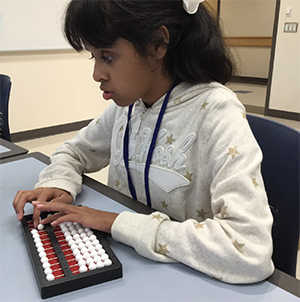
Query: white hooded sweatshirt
{"x": 204, "y": 173}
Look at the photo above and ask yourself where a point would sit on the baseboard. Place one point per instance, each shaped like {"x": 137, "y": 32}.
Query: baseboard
{"x": 283, "y": 114}
{"x": 254, "y": 109}
{"x": 249, "y": 80}
{"x": 48, "y": 131}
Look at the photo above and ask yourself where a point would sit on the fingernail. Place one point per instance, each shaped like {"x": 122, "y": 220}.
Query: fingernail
{"x": 19, "y": 216}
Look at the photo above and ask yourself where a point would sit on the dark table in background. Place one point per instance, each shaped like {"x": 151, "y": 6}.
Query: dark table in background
{"x": 8, "y": 149}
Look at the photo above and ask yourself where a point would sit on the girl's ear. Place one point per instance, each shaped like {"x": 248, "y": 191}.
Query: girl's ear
{"x": 161, "y": 43}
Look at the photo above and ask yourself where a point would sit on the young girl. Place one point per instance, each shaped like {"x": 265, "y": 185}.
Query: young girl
{"x": 175, "y": 138}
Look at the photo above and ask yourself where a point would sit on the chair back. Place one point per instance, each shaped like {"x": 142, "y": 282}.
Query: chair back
{"x": 5, "y": 86}
{"x": 281, "y": 173}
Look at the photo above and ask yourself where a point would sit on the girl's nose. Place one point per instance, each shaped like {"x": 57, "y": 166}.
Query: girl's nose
{"x": 99, "y": 73}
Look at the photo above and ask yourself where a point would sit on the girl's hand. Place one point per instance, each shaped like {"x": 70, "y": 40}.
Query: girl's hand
{"x": 95, "y": 219}
{"x": 40, "y": 194}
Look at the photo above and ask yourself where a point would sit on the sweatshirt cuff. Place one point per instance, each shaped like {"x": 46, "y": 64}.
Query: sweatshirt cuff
{"x": 126, "y": 227}
{"x": 140, "y": 232}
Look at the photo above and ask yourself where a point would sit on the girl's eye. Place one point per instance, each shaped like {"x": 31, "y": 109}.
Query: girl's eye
{"x": 107, "y": 59}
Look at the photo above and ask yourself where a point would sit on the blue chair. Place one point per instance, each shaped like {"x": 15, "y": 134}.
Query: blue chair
{"x": 5, "y": 86}
{"x": 281, "y": 172}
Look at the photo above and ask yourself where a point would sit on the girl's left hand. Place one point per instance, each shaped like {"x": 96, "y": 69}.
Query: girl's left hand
{"x": 95, "y": 219}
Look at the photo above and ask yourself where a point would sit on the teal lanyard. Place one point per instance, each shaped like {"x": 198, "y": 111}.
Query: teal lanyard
{"x": 151, "y": 148}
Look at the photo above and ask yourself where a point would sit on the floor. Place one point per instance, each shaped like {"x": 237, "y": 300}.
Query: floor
{"x": 253, "y": 95}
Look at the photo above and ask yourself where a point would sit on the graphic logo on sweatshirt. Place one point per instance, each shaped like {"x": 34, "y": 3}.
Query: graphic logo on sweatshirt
{"x": 168, "y": 158}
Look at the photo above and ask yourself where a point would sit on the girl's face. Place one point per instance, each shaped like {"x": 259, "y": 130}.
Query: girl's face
{"x": 124, "y": 76}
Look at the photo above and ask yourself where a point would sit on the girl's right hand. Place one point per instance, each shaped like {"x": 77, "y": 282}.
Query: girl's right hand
{"x": 39, "y": 194}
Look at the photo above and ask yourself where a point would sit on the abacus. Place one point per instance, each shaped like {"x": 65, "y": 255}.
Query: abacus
{"x": 68, "y": 257}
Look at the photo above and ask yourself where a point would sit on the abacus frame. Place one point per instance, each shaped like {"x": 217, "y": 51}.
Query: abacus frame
{"x": 69, "y": 282}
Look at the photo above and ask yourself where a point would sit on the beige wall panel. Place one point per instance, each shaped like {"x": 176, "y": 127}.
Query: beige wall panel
{"x": 252, "y": 61}
{"x": 50, "y": 88}
{"x": 249, "y": 18}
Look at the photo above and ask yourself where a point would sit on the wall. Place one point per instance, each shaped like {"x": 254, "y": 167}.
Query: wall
{"x": 50, "y": 88}
{"x": 249, "y": 18}
{"x": 285, "y": 84}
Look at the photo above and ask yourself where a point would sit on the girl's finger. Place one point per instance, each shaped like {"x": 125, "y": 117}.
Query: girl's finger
{"x": 52, "y": 206}
{"x": 66, "y": 218}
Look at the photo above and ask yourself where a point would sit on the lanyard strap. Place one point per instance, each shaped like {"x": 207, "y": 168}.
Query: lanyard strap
{"x": 125, "y": 154}
{"x": 151, "y": 148}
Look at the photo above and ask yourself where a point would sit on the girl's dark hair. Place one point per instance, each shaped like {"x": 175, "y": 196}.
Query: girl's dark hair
{"x": 195, "y": 52}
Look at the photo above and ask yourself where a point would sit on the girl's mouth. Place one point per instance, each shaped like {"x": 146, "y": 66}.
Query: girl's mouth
{"x": 107, "y": 95}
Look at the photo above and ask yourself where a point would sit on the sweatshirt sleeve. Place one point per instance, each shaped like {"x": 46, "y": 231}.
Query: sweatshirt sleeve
{"x": 235, "y": 244}
{"x": 87, "y": 152}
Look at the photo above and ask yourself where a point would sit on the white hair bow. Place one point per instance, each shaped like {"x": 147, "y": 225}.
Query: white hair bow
{"x": 191, "y": 6}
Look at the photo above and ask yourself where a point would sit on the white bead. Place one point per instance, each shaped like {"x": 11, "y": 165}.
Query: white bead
{"x": 104, "y": 257}
{"x": 92, "y": 266}
{"x": 97, "y": 259}
{"x": 38, "y": 244}
{"x": 36, "y": 235}
{"x": 42, "y": 254}
{"x": 83, "y": 250}
{"x": 101, "y": 252}
{"x": 88, "y": 243}
{"x": 65, "y": 229}
{"x": 107, "y": 262}
{"x": 69, "y": 224}
{"x": 100, "y": 264}
{"x": 40, "y": 249}
{"x": 81, "y": 245}
{"x": 93, "y": 237}
{"x": 74, "y": 232}
{"x": 95, "y": 242}
{"x": 62, "y": 225}
{"x": 81, "y": 262}
{"x": 37, "y": 239}
{"x": 67, "y": 233}
{"x": 68, "y": 238}
{"x": 74, "y": 247}
{"x": 40, "y": 227}
{"x": 76, "y": 236}
{"x": 71, "y": 242}
{"x": 50, "y": 277}
{"x": 44, "y": 259}
{"x": 87, "y": 230}
{"x": 46, "y": 264}
{"x": 82, "y": 268}
{"x": 33, "y": 231}
{"x": 90, "y": 233}
{"x": 94, "y": 253}
{"x": 80, "y": 231}
{"x": 91, "y": 248}
{"x": 72, "y": 228}
{"x": 89, "y": 261}
{"x": 98, "y": 247}
{"x": 78, "y": 241}
{"x": 85, "y": 239}
{"x": 86, "y": 255}
{"x": 82, "y": 235}
{"x": 76, "y": 252}
{"x": 78, "y": 257}
{"x": 48, "y": 271}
